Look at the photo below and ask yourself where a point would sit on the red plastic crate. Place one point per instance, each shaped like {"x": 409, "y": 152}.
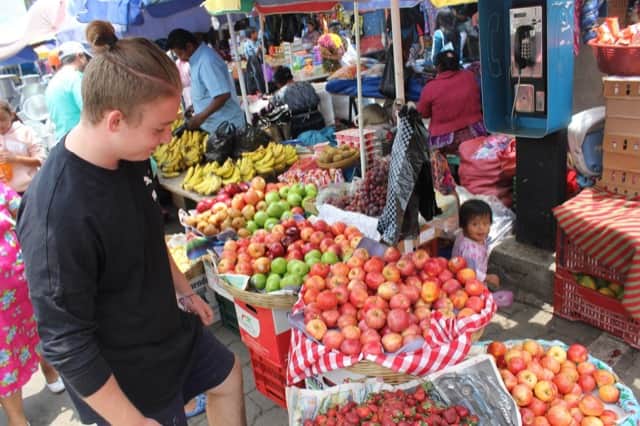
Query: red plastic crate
{"x": 270, "y": 378}
{"x": 571, "y": 258}
{"x": 264, "y": 331}
{"x": 575, "y": 302}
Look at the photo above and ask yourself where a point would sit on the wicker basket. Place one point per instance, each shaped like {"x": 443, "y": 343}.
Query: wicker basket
{"x": 270, "y": 301}
{"x": 371, "y": 369}
{"x": 617, "y": 60}
{"x": 342, "y": 164}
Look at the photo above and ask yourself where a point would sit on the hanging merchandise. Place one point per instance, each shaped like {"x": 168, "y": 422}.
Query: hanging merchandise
{"x": 388, "y": 82}
{"x": 254, "y": 76}
{"x": 410, "y": 188}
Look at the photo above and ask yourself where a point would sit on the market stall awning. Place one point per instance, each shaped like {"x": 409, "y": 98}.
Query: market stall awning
{"x": 25, "y": 55}
{"x": 271, "y": 7}
{"x": 446, "y": 3}
{"x": 369, "y": 5}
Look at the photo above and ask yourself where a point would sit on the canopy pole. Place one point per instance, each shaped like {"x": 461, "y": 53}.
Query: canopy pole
{"x": 363, "y": 150}
{"x": 398, "y": 63}
{"x": 238, "y": 62}
{"x": 264, "y": 53}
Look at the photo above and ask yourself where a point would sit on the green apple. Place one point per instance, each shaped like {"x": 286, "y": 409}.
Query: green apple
{"x": 252, "y": 226}
{"x": 329, "y": 258}
{"x": 260, "y": 218}
{"x": 258, "y": 281}
{"x": 279, "y": 266}
{"x": 291, "y": 280}
{"x": 284, "y": 205}
{"x": 298, "y": 188}
{"x": 273, "y": 283}
{"x": 313, "y": 253}
{"x": 297, "y": 267}
{"x": 286, "y": 215}
{"x": 270, "y": 223}
{"x": 311, "y": 190}
{"x": 275, "y": 210}
{"x": 272, "y": 197}
{"x": 284, "y": 191}
{"x": 294, "y": 199}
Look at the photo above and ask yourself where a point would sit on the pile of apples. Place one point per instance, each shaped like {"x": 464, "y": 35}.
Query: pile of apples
{"x": 286, "y": 255}
{"x": 372, "y": 305}
{"x": 246, "y": 207}
{"x": 556, "y": 387}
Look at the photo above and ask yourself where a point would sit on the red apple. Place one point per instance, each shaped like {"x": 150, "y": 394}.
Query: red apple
{"x": 392, "y": 342}
{"x": 333, "y": 339}
{"x": 399, "y": 301}
{"x": 432, "y": 268}
{"x": 509, "y": 379}
{"x": 357, "y": 284}
{"x": 564, "y": 382}
{"x": 586, "y": 368}
{"x": 375, "y": 302}
{"x": 474, "y": 287}
{"x": 375, "y": 318}
{"x": 391, "y": 254}
{"x": 475, "y": 303}
{"x": 527, "y": 416}
{"x": 451, "y": 286}
{"x": 526, "y": 377}
{"x": 356, "y": 273}
{"x": 414, "y": 281}
{"x": 538, "y": 407}
{"x": 387, "y": 290}
{"x": 373, "y": 348}
{"x": 330, "y": 317}
{"x": 406, "y": 267}
{"x": 351, "y": 332}
{"x": 320, "y": 269}
{"x": 373, "y": 280}
{"x": 397, "y": 320}
{"x": 391, "y": 273}
{"x": 244, "y": 268}
{"x": 420, "y": 258}
{"x": 340, "y": 269}
{"x": 459, "y": 299}
{"x": 370, "y": 335}
{"x": 374, "y": 264}
{"x": 316, "y": 328}
{"x": 348, "y": 309}
{"x": 602, "y": 377}
{"x": 545, "y": 391}
{"x": 256, "y": 250}
{"x": 465, "y": 274}
{"x": 550, "y": 363}
{"x": 559, "y": 416}
{"x": 357, "y": 297}
{"x": 430, "y": 291}
{"x": 497, "y": 349}
{"x": 341, "y": 293}
{"x": 445, "y": 276}
{"x": 609, "y": 394}
{"x": 591, "y": 406}
{"x": 522, "y": 395}
{"x": 314, "y": 282}
{"x": 346, "y": 320}
{"x": 456, "y": 263}
{"x": 516, "y": 365}
{"x": 577, "y": 353}
{"x": 336, "y": 281}
{"x": 412, "y": 293}
{"x": 310, "y": 295}
{"x": 327, "y": 300}
{"x": 351, "y": 347}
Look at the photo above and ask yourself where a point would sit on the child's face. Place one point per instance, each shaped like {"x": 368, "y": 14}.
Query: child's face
{"x": 478, "y": 228}
{"x": 6, "y": 120}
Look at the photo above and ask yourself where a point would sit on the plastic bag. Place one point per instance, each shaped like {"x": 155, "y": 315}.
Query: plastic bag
{"x": 388, "y": 83}
{"x": 221, "y": 145}
{"x": 581, "y": 124}
{"x": 252, "y": 138}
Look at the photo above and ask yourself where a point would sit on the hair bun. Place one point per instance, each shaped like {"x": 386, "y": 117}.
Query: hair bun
{"x": 101, "y": 35}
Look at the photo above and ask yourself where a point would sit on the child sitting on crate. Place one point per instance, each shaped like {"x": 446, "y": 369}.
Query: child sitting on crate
{"x": 475, "y": 220}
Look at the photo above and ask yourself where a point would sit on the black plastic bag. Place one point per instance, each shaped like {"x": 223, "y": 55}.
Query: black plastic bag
{"x": 388, "y": 83}
{"x": 253, "y": 138}
{"x": 410, "y": 188}
{"x": 220, "y": 145}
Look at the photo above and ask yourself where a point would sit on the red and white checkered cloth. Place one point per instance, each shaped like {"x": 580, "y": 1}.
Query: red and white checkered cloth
{"x": 606, "y": 227}
{"x": 449, "y": 344}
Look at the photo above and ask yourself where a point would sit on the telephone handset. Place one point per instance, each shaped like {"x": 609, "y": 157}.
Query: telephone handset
{"x": 524, "y": 52}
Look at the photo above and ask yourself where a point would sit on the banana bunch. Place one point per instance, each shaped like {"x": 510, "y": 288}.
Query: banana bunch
{"x": 202, "y": 179}
{"x": 247, "y": 172}
{"x": 181, "y": 152}
{"x": 274, "y": 157}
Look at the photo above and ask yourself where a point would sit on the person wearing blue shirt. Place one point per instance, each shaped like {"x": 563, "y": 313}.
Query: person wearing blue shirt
{"x": 251, "y": 44}
{"x": 212, "y": 89}
{"x": 63, "y": 95}
{"x": 446, "y": 36}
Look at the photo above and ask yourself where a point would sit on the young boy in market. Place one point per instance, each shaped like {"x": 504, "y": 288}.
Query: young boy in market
{"x": 103, "y": 285}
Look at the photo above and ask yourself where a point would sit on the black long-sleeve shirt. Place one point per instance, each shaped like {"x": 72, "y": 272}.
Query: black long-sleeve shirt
{"x": 100, "y": 280}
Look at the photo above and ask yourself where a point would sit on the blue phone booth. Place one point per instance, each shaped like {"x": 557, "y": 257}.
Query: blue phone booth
{"x": 527, "y": 60}
{"x": 526, "y": 54}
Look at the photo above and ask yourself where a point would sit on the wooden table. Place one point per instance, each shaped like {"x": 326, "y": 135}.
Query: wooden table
{"x": 178, "y": 194}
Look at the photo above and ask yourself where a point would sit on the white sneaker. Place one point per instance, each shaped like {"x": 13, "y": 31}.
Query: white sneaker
{"x": 57, "y": 386}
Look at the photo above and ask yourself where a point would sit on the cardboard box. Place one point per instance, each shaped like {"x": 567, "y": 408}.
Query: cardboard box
{"x": 621, "y": 87}
{"x": 427, "y": 239}
{"x": 620, "y": 162}
{"x": 626, "y": 178}
{"x": 622, "y": 144}
{"x": 266, "y": 332}
{"x": 623, "y": 108}
{"x": 622, "y": 126}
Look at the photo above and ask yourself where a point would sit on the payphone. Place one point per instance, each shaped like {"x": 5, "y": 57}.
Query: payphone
{"x": 527, "y": 60}
{"x": 526, "y": 55}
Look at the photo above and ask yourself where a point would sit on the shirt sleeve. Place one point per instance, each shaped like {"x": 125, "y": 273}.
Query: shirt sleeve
{"x": 62, "y": 272}
{"x": 438, "y": 44}
{"x": 210, "y": 74}
{"x": 424, "y": 103}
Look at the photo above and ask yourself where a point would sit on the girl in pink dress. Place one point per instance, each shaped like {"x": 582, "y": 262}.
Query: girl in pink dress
{"x": 475, "y": 220}
{"x": 18, "y": 335}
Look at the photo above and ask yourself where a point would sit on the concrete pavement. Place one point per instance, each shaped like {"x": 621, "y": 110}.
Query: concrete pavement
{"x": 528, "y": 317}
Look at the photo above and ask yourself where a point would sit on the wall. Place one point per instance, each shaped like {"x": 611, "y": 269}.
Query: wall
{"x": 587, "y": 81}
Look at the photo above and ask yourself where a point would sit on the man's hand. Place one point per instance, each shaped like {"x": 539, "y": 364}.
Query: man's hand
{"x": 7, "y": 157}
{"x": 196, "y": 305}
{"x": 195, "y": 121}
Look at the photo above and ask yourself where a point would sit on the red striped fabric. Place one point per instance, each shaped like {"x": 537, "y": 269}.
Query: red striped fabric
{"x": 607, "y": 227}
{"x": 448, "y": 345}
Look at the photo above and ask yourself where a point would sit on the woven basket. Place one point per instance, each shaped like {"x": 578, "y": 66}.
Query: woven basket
{"x": 371, "y": 369}
{"x": 617, "y": 60}
{"x": 282, "y": 302}
{"x": 342, "y": 164}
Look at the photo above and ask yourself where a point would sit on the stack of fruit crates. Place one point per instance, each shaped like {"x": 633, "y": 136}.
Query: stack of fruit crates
{"x": 593, "y": 299}
{"x": 621, "y": 145}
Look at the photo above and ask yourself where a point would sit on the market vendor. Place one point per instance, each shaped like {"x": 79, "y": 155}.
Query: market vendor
{"x": 312, "y": 35}
{"x": 212, "y": 89}
{"x": 301, "y": 99}
{"x": 452, "y": 102}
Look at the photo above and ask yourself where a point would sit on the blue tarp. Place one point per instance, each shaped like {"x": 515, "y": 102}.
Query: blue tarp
{"x": 371, "y": 88}
{"x": 26, "y": 55}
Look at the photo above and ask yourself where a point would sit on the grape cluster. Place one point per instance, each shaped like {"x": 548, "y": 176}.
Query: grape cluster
{"x": 371, "y": 195}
